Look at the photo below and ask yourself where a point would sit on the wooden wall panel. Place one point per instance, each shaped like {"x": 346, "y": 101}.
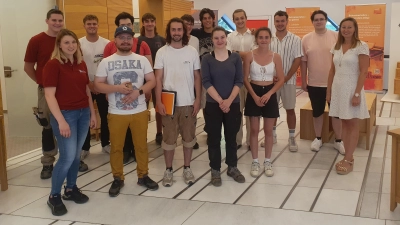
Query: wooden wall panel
{"x": 156, "y": 8}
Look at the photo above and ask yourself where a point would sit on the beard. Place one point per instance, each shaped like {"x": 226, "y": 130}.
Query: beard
{"x": 177, "y": 38}
{"x": 124, "y": 48}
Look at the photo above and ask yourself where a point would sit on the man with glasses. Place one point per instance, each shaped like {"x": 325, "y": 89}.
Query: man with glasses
{"x": 140, "y": 48}
{"x": 316, "y": 63}
{"x": 188, "y": 20}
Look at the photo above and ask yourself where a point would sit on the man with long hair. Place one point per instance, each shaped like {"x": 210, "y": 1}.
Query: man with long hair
{"x": 177, "y": 68}
{"x": 148, "y": 34}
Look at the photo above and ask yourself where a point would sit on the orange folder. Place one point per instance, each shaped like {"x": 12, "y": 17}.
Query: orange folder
{"x": 168, "y": 98}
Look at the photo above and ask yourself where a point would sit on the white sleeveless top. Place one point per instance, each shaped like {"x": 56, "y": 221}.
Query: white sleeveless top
{"x": 262, "y": 73}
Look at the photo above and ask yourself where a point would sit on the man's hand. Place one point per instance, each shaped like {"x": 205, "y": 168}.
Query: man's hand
{"x": 91, "y": 87}
{"x": 196, "y": 107}
{"x": 161, "y": 109}
{"x": 129, "y": 98}
{"x": 304, "y": 87}
{"x": 124, "y": 89}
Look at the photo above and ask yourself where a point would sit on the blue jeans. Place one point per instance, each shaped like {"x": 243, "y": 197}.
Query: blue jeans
{"x": 70, "y": 148}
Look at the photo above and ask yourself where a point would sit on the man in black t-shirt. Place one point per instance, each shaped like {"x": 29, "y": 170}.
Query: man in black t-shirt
{"x": 148, "y": 34}
{"x": 207, "y": 18}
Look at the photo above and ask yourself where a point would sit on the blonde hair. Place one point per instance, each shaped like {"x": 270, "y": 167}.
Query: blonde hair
{"x": 58, "y": 53}
{"x": 355, "y": 40}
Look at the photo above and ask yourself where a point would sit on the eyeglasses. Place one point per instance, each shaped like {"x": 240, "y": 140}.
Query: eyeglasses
{"x": 189, "y": 24}
{"x": 319, "y": 20}
{"x": 122, "y": 38}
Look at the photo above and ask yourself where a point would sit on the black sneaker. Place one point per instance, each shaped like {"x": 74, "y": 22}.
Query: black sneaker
{"x": 56, "y": 205}
{"x": 75, "y": 195}
{"x": 127, "y": 156}
{"x": 148, "y": 183}
{"x": 159, "y": 138}
{"x": 116, "y": 186}
{"x": 196, "y": 146}
{"x": 83, "y": 167}
{"x": 46, "y": 173}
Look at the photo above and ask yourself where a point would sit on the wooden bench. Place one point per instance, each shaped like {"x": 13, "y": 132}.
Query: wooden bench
{"x": 307, "y": 124}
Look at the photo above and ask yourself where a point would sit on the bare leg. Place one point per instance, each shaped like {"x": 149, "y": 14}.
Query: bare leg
{"x": 169, "y": 157}
{"x": 291, "y": 119}
{"x": 268, "y": 124}
{"x": 318, "y": 123}
{"x": 187, "y": 155}
{"x": 254, "y": 129}
{"x": 337, "y": 127}
{"x": 351, "y": 138}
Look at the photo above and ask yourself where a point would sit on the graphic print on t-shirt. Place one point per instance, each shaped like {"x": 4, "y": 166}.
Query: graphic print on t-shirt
{"x": 97, "y": 58}
{"x": 122, "y": 77}
{"x": 206, "y": 45}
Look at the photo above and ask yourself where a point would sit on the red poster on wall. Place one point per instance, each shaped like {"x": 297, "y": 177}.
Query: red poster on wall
{"x": 257, "y": 23}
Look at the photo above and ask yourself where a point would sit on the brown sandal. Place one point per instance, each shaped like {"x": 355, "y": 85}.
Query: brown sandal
{"x": 344, "y": 167}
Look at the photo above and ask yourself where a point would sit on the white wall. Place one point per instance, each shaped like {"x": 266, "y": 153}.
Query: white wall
{"x": 395, "y": 45}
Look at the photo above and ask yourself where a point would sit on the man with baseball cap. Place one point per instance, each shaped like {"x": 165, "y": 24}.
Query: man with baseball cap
{"x": 121, "y": 76}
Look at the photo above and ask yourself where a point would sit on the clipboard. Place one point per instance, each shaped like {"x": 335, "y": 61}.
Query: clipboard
{"x": 168, "y": 98}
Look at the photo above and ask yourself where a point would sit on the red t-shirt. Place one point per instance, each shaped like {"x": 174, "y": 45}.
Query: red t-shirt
{"x": 111, "y": 48}
{"x": 70, "y": 81}
{"x": 39, "y": 51}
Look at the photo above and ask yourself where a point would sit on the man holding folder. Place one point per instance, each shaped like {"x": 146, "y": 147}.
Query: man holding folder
{"x": 177, "y": 68}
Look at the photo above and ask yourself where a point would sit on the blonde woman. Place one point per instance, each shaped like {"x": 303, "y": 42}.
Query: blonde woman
{"x": 65, "y": 81}
{"x": 345, "y": 89}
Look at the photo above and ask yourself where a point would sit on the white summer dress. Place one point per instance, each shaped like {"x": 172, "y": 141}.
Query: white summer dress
{"x": 345, "y": 82}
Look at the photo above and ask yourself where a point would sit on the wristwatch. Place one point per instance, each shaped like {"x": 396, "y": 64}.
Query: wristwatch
{"x": 356, "y": 95}
{"x": 140, "y": 91}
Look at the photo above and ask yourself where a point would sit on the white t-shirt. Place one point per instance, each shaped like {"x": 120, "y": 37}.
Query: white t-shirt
{"x": 92, "y": 54}
{"x": 179, "y": 66}
{"x": 194, "y": 42}
{"x": 119, "y": 69}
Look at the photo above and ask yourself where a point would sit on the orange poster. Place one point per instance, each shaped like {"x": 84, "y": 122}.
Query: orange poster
{"x": 371, "y": 29}
{"x": 300, "y": 24}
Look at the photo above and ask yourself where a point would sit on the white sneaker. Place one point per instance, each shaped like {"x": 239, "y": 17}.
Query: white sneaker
{"x": 188, "y": 176}
{"x": 268, "y": 169}
{"x": 84, "y": 154}
{"x": 274, "y": 141}
{"x": 316, "y": 145}
{"x": 340, "y": 147}
{"x": 292, "y": 144}
{"x": 106, "y": 149}
{"x": 255, "y": 169}
{"x": 168, "y": 178}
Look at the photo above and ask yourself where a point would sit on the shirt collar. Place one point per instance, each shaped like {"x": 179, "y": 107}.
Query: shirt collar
{"x": 247, "y": 32}
{"x": 288, "y": 34}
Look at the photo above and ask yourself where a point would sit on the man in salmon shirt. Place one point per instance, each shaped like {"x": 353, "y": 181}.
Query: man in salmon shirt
{"x": 140, "y": 48}
{"x": 316, "y": 61}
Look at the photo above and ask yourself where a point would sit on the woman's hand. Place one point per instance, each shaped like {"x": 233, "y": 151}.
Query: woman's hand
{"x": 93, "y": 121}
{"x": 257, "y": 100}
{"x": 225, "y": 105}
{"x": 355, "y": 101}
{"x": 65, "y": 131}
{"x": 265, "y": 98}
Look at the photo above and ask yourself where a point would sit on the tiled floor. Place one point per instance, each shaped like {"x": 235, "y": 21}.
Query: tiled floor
{"x": 304, "y": 190}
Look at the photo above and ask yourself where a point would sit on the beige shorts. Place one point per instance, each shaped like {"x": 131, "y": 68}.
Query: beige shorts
{"x": 288, "y": 95}
{"x": 183, "y": 123}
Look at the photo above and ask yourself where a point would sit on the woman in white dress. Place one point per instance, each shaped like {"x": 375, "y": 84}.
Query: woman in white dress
{"x": 345, "y": 89}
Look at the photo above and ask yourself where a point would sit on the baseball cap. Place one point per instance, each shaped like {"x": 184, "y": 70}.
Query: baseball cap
{"x": 123, "y": 30}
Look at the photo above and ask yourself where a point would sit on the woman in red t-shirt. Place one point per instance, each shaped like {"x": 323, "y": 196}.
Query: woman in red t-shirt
{"x": 65, "y": 81}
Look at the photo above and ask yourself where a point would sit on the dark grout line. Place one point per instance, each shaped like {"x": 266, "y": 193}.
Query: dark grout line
{"x": 323, "y": 184}
{"x": 55, "y": 221}
{"x": 193, "y": 213}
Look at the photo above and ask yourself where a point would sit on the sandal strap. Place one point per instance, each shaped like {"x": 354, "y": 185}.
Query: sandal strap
{"x": 349, "y": 162}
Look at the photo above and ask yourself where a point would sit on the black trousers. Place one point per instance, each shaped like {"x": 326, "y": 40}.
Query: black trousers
{"x": 214, "y": 119}
{"x": 102, "y": 105}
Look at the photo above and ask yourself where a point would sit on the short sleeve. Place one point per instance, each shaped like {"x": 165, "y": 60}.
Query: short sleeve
{"x": 363, "y": 49}
{"x": 51, "y": 72}
{"x": 86, "y": 70}
{"x": 159, "y": 62}
{"x": 31, "y": 51}
{"x": 102, "y": 69}
{"x": 229, "y": 42}
{"x": 144, "y": 49}
{"x": 303, "y": 47}
{"x": 108, "y": 50}
{"x": 332, "y": 50}
{"x": 196, "y": 64}
{"x": 146, "y": 65}
{"x": 298, "y": 49}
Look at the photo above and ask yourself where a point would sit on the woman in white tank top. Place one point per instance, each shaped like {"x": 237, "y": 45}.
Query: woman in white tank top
{"x": 262, "y": 65}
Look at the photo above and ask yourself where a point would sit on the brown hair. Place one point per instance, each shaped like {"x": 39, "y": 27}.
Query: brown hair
{"x": 262, "y": 29}
{"x": 54, "y": 11}
{"x": 316, "y": 12}
{"x": 238, "y": 11}
{"x": 90, "y": 17}
{"x": 355, "y": 40}
{"x": 148, "y": 16}
{"x": 59, "y": 54}
{"x": 205, "y": 11}
{"x": 168, "y": 39}
{"x": 282, "y": 13}
{"x": 218, "y": 28}
{"x": 188, "y": 17}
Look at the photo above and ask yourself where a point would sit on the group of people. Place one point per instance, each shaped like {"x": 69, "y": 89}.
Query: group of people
{"x": 246, "y": 72}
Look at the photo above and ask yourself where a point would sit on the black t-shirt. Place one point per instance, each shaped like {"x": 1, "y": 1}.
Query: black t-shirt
{"x": 154, "y": 43}
{"x": 205, "y": 42}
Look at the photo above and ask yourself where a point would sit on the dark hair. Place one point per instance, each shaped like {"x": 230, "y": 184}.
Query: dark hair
{"x": 168, "y": 39}
{"x": 90, "y": 17}
{"x": 262, "y": 29}
{"x": 238, "y": 11}
{"x": 217, "y": 28}
{"x": 282, "y": 13}
{"x": 188, "y": 17}
{"x": 123, "y": 15}
{"x": 148, "y": 16}
{"x": 318, "y": 12}
{"x": 54, "y": 11}
{"x": 204, "y": 11}
{"x": 355, "y": 40}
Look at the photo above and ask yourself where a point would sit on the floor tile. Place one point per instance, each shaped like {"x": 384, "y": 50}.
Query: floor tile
{"x": 290, "y": 159}
{"x": 350, "y": 182}
{"x": 210, "y": 213}
{"x": 90, "y": 177}
{"x": 196, "y": 187}
{"x": 322, "y": 161}
{"x": 17, "y": 196}
{"x": 63, "y": 222}
{"x": 391, "y": 222}
{"x": 313, "y": 178}
{"x": 20, "y": 171}
{"x": 18, "y": 220}
{"x": 337, "y": 202}
{"x": 369, "y": 205}
{"x": 227, "y": 193}
{"x": 385, "y": 121}
{"x": 386, "y": 183}
{"x": 388, "y": 166}
{"x": 376, "y": 165}
{"x": 373, "y": 183}
{"x": 379, "y": 151}
{"x": 265, "y": 195}
{"x": 135, "y": 208}
{"x": 282, "y": 176}
{"x": 301, "y": 198}
{"x": 384, "y": 209}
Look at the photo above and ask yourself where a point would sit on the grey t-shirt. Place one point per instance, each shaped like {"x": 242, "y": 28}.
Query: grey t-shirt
{"x": 154, "y": 43}
{"x": 223, "y": 76}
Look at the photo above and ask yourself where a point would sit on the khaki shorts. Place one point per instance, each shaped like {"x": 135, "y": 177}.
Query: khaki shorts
{"x": 183, "y": 123}
{"x": 288, "y": 95}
